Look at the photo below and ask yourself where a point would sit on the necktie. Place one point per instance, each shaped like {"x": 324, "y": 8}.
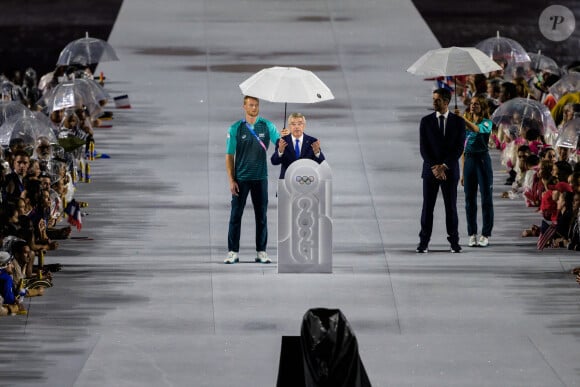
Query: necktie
{"x": 442, "y": 124}
{"x": 297, "y": 148}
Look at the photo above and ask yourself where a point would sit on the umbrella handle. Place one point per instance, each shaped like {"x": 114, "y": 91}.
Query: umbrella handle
{"x": 455, "y": 90}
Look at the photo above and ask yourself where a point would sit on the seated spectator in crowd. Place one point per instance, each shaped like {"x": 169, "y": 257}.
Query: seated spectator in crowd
{"x": 33, "y": 169}
{"x": 12, "y": 299}
{"x": 538, "y": 195}
{"x": 522, "y": 88}
{"x": 531, "y": 179}
{"x": 493, "y": 89}
{"x": 548, "y": 204}
{"x": 574, "y": 180}
{"x": 554, "y": 233}
{"x": 519, "y": 170}
{"x": 566, "y": 154}
{"x": 562, "y": 170}
{"x": 14, "y": 181}
{"x": 23, "y": 262}
{"x": 574, "y": 230}
{"x": 565, "y": 215}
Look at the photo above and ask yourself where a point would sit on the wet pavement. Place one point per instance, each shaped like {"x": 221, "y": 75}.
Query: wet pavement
{"x": 144, "y": 298}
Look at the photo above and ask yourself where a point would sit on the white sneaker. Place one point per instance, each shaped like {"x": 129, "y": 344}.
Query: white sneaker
{"x": 232, "y": 258}
{"x": 472, "y": 240}
{"x": 262, "y": 257}
{"x": 483, "y": 241}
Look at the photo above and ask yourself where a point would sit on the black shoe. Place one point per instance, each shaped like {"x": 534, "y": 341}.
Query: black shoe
{"x": 421, "y": 249}
{"x": 455, "y": 248}
{"x": 510, "y": 180}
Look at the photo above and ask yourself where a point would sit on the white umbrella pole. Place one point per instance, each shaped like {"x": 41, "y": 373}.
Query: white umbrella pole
{"x": 455, "y": 90}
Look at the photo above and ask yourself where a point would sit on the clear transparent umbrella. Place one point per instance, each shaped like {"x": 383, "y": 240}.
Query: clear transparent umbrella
{"x": 538, "y": 64}
{"x": 73, "y": 94}
{"x": 568, "y": 136}
{"x": 27, "y": 128}
{"x": 504, "y": 50}
{"x": 10, "y": 109}
{"x": 525, "y": 114}
{"x": 569, "y": 83}
{"x": 86, "y": 51}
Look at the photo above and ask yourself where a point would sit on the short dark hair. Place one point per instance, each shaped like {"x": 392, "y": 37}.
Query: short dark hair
{"x": 510, "y": 90}
{"x": 532, "y": 160}
{"x": 444, "y": 93}
{"x": 564, "y": 170}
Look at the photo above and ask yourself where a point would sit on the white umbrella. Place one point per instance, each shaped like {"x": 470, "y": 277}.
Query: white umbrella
{"x": 453, "y": 61}
{"x": 286, "y": 84}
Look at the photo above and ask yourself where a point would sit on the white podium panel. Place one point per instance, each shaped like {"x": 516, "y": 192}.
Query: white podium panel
{"x": 305, "y": 218}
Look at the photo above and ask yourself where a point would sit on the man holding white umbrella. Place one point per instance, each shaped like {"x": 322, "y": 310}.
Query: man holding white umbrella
{"x": 247, "y": 167}
{"x": 247, "y": 145}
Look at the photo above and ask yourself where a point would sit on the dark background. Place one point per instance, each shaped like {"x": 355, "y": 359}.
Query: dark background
{"x": 33, "y": 32}
{"x": 466, "y": 23}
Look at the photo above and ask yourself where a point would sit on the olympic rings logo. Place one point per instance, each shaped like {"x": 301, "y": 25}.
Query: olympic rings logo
{"x": 305, "y": 180}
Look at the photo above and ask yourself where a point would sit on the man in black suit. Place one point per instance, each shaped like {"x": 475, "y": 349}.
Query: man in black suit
{"x": 442, "y": 138}
{"x": 296, "y": 145}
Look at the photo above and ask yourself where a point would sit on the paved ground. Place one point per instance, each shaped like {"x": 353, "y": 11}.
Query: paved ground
{"x": 144, "y": 299}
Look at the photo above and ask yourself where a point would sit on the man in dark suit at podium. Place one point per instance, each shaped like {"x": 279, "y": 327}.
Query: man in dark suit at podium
{"x": 442, "y": 138}
{"x": 296, "y": 145}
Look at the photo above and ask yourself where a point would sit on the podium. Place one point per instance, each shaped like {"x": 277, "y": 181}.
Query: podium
{"x": 305, "y": 218}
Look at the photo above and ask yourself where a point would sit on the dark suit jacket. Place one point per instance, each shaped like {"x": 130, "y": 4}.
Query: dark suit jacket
{"x": 438, "y": 149}
{"x": 288, "y": 157}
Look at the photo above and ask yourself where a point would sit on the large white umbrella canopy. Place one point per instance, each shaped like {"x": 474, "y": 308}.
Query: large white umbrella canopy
{"x": 286, "y": 84}
{"x": 452, "y": 61}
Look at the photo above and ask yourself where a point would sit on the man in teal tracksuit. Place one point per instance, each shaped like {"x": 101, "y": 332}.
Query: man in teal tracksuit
{"x": 247, "y": 168}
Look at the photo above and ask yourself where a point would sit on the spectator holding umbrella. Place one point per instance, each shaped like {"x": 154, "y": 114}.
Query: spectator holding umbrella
{"x": 477, "y": 170}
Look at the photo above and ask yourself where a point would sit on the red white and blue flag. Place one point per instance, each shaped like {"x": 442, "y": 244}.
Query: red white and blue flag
{"x": 75, "y": 218}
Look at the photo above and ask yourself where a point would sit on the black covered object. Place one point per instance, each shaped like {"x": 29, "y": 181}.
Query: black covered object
{"x": 330, "y": 351}
{"x": 291, "y": 370}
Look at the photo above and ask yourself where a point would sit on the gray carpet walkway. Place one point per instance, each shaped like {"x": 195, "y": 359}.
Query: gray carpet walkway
{"x": 144, "y": 298}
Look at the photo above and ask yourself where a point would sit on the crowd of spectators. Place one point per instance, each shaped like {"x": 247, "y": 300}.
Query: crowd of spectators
{"x": 46, "y": 152}
{"x": 541, "y": 164}
{"x": 39, "y": 170}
